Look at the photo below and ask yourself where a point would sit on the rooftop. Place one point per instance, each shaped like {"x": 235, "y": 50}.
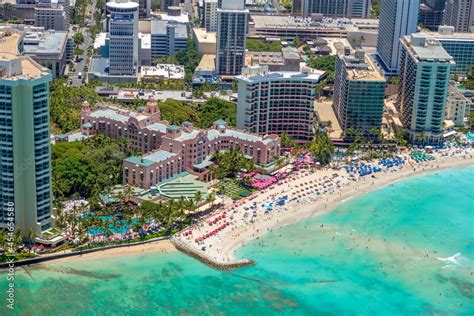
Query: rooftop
{"x": 44, "y": 43}
{"x": 188, "y": 135}
{"x": 203, "y": 36}
{"x": 360, "y": 67}
{"x": 159, "y": 127}
{"x": 115, "y": 113}
{"x": 182, "y": 185}
{"x": 160, "y": 27}
{"x": 207, "y": 63}
{"x": 183, "y": 18}
{"x": 150, "y": 159}
{"x": 213, "y": 134}
{"x": 285, "y": 21}
{"x": 98, "y": 64}
{"x": 16, "y": 66}
{"x": 159, "y": 155}
{"x": 258, "y": 73}
{"x": 9, "y": 43}
{"x": 204, "y": 164}
{"x": 167, "y": 71}
{"x": 51, "y": 6}
{"x": 424, "y": 48}
{"x": 325, "y": 114}
{"x": 267, "y": 58}
{"x": 446, "y": 33}
{"x": 100, "y": 40}
{"x": 122, "y": 5}
{"x": 290, "y": 53}
{"x": 145, "y": 39}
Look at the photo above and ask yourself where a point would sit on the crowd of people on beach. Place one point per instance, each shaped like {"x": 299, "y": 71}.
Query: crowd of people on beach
{"x": 303, "y": 188}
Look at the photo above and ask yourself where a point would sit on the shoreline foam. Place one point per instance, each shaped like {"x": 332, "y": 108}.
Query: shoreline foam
{"x": 224, "y": 252}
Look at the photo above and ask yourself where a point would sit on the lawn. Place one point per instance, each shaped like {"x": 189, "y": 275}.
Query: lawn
{"x": 234, "y": 189}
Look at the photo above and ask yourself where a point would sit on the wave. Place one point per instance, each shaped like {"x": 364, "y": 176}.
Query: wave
{"x": 454, "y": 261}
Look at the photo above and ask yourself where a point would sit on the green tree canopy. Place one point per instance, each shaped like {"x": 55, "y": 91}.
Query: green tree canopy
{"x": 176, "y": 112}
{"x": 287, "y": 4}
{"x": 375, "y": 10}
{"x": 88, "y": 167}
{"x": 322, "y": 148}
{"x": 66, "y": 102}
{"x": 190, "y": 58}
{"x": 287, "y": 141}
{"x": 215, "y": 109}
{"x": 78, "y": 38}
{"x": 229, "y": 163}
{"x": 325, "y": 63}
{"x": 255, "y": 45}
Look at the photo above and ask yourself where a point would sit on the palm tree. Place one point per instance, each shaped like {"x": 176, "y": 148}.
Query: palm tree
{"x": 73, "y": 220}
{"x": 129, "y": 191}
{"x": 210, "y": 199}
{"x": 170, "y": 215}
{"x": 296, "y": 151}
{"x": 197, "y": 197}
{"x": 31, "y": 236}
{"x": 3, "y": 239}
{"x": 17, "y": 239}
{"x": 400, "y": 137}
{"x": 350, "y": 132}
{"x": 82, "y": 232}
{"x": 421, "y": 137}
{"x": 322, "y": 148}
{"x": 280, "y": 162}
{"x": 189, "y": 205}
{"x": 374, "y": 132}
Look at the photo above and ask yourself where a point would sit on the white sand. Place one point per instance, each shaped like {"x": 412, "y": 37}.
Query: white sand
{"x": 222, "y": 246}
{"x": 161, "y": 246}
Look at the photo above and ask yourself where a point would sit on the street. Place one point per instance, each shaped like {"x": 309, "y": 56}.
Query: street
{"x": 88, "y": 42}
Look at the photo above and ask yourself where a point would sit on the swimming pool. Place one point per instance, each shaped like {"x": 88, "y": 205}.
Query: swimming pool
{"x": 121, "y": 229}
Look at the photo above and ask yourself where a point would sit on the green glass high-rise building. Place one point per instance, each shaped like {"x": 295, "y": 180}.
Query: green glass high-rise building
{"x": 358, "y": 94}
{"x": 425, "y": 71}
{"x": 25, "y": 154}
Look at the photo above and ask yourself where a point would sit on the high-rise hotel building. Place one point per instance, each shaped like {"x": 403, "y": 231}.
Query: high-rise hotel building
{"x": 123, "y": 33}
{"x": 460, "y": 14}
{"x": 25, "y": 172}
{"x": 397, "y": 18}
{"x": 424, "y": 76}
{"x": 458, "y": 45}
{"x": 231, "y": 33}
{"x": 277, "y": 102}
{"x": 359, "y": 91}
{"x": 210, "y": 15}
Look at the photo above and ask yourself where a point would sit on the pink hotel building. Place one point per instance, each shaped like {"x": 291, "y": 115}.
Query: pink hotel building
{"x": 169, "y": 150}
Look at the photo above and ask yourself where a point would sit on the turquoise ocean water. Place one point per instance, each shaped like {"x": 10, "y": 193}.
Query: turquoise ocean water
{"x": 375, "y": 255}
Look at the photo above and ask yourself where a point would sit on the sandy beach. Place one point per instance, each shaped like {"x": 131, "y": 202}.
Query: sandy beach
{"x": 221, "y": 247}
{"x": 161, "y": 246}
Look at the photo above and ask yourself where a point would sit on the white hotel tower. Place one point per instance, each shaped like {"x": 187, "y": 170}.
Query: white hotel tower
{"x": 123, "y": 33}
{"x": 397, "y": 19}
